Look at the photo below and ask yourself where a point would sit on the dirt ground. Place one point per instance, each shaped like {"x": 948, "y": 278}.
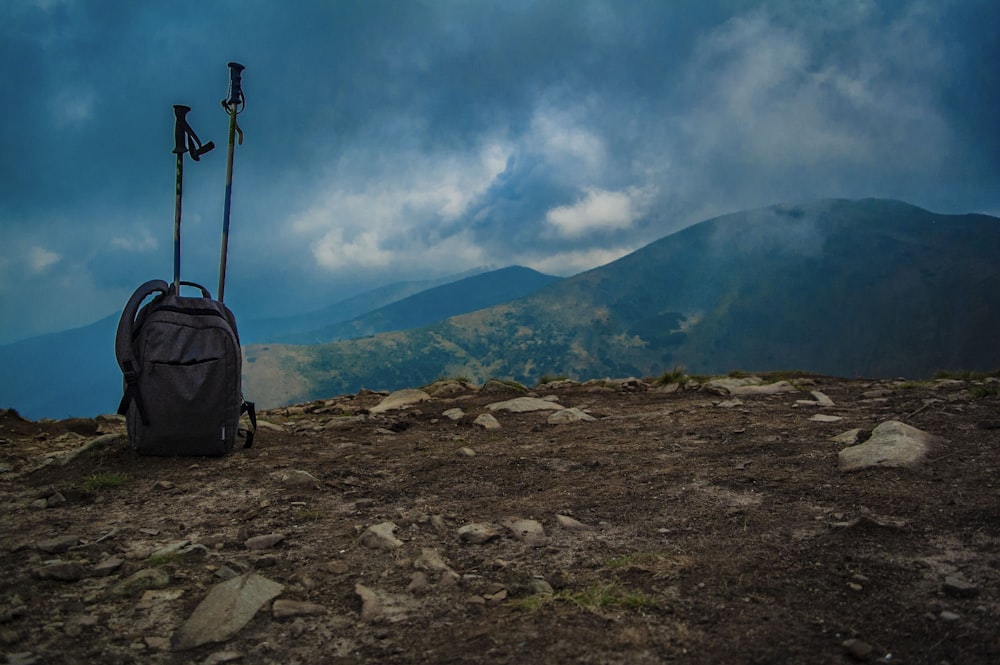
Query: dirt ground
{"x": 702, "y": 531}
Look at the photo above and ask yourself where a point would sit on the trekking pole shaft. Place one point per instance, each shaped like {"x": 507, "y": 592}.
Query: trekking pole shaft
{"x": 177, "y": 222}
{"x": 228, "y": 204}
{"x": 232, "y": 104}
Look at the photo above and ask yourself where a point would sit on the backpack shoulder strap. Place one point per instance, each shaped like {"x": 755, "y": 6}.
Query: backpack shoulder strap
{"x": 124, "y": 351}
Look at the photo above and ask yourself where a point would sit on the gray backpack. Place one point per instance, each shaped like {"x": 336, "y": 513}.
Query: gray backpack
{"x": 182, "y": 365}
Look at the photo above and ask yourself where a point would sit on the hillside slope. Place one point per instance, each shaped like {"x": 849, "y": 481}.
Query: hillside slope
{"x": 435, "y": 304}
{"x": 849, "y": 288}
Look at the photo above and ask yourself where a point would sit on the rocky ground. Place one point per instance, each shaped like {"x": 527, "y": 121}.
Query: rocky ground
{"x": 717, "y": 522}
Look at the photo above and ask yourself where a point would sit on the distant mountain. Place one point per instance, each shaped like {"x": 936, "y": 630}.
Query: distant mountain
{"x": 868, "y": 288}
{"x": 426, "y": 307}
{"x": 75, "y": 373}
{"x": 297, "y": 328}
{"x": 63, "y": 374}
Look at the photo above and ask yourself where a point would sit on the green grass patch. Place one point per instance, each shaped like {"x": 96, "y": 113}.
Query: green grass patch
{"x": 965, "y": 375}
{"x": 985, "y": 391}
{"x": 676, "y": 374}
{"x": 103, "y": 481}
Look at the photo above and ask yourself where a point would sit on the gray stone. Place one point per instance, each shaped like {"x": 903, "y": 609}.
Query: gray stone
{"x": 371, "y": 604}
{"x": 949, "y": 616}
{"x": 58, "y": 544}
{"x": 959, "y": 588}
{"x": 849, "y": 437}
{"x": 62, "y": 571}
{"x": 381, "y": 536}
{"x": 730, "y": 403}
{"x": 295, "y": 478}
{"x": 263, "y": 542}
{"x": 525, "y": 405}
{"x": 107, "y": 567}
{"x": 400, "y": 400}
{"x": 823, "y": 418}
{"x": 226, "y": 609}
{"x": 486, "y": 421}
{"x": 768, "y": 389}
{"x": 465, "y": 451}
{"x": 430, "y": 559}
{"x": 570, "y": 415}
{"x": 285, "y": 609}
{"x": 453, "y": 414}
{"x": 147, "y": 578}
{"x": 821, "y": 399}
{"x": 892, "y": 444}
{"x": 567, "y": 522}
{"x": 529, "y": 532}
{"x": 858, "y": 649}
{"x": 478, "y": 533}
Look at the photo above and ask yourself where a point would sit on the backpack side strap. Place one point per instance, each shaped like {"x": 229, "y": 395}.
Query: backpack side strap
{"x": 250, "y": 409}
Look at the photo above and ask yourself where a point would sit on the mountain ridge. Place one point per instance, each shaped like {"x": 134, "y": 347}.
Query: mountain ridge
{"x": 869, "y": 287}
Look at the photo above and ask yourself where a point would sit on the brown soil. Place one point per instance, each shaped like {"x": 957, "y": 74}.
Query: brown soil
{"x": 718, "y": 535}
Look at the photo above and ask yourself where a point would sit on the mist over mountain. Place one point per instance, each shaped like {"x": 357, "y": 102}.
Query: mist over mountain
{"x": 868, "y": 288}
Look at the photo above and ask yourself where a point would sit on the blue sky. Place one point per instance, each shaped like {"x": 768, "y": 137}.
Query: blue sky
{"x": 389, "y": 140}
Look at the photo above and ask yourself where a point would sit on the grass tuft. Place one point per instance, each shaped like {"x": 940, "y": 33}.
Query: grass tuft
{"x": 101, "y": 481}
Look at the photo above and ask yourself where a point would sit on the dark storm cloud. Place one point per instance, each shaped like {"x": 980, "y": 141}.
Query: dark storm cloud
{"x": 390, "y": 140}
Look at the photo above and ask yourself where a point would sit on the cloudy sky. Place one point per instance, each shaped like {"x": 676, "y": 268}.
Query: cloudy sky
{"x": 402, "y": 139}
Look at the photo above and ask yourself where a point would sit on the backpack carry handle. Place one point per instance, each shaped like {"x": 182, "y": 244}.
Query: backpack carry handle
{"x": 204, "y": 292}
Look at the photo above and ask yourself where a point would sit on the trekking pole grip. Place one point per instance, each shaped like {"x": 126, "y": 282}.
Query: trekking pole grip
{"x": 235, "y": 84}
{"x": 180, "y": 128}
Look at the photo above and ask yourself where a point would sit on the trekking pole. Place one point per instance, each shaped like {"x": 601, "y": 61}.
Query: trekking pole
{"x": 233, "y": 105}
{"x": 185, "y": 140}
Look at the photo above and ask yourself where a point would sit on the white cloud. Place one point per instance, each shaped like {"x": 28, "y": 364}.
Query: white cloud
{"x": 565, "y": 142}
{"x": 143, "y": 241}
{"x": 599, "y": 210}
{"x": 40, "y": 259}
{"x": 401, "y": 216}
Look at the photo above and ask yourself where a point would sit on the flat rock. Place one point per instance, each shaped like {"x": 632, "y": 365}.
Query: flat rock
{"x": 850, "y": 437}
{"x": 571, "y": 415}
{"x": 400, "y": 400}
{"x": 892, "y": 444}
{"x": 295, "y": 478}
{"x": 567, "y": 522}
{"x": 284, "y": 608}
{"x": 58, "y": 544}
{"x": 821, "y": 399}
{"x": 62, "y": 571}
{"x": 525, "y": 405}
{"x": 823, "y": 418}
{"x": 959, "y": 588}
{"x": 263, "y": 542}
{"x": 453, "y": 414}
{"x": 766, "y": 389}
{"x": 225, "y": 610}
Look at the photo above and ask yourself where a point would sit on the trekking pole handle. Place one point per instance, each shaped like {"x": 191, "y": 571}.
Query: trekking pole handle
{"x": 235, "y": 84}
{"x": 180, "y": 128}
